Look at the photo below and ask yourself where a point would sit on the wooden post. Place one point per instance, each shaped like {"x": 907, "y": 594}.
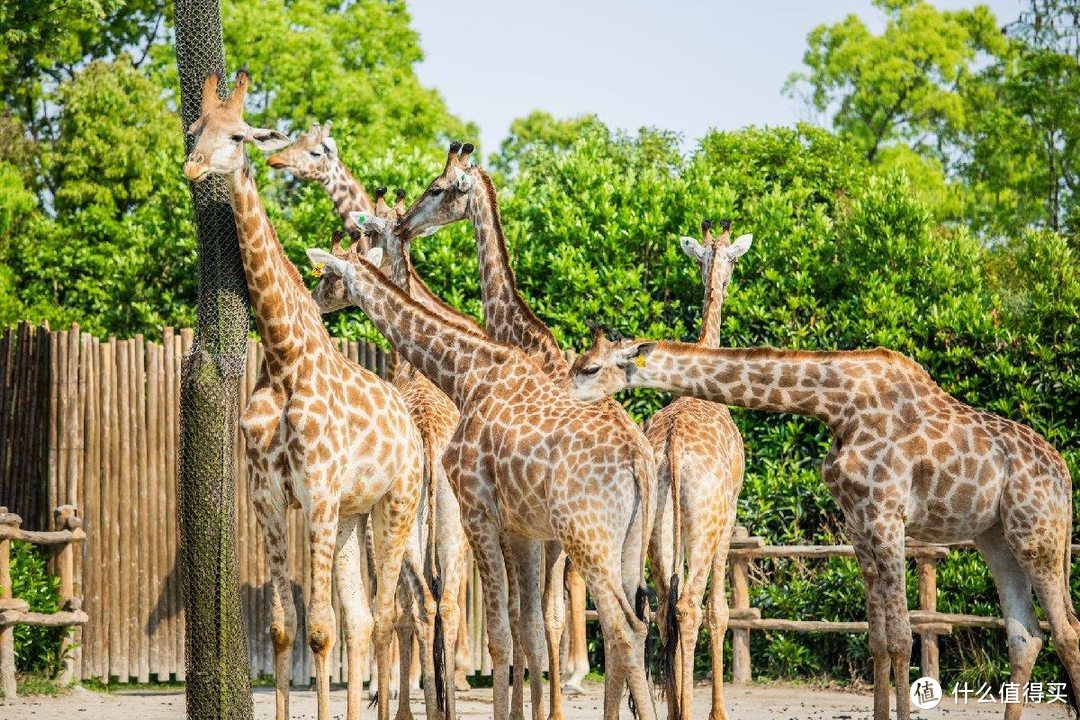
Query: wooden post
{"x": 740, "y": 601}
{"x": 7, "y": 632}
{"x": 64, "y": 518}
{"x": 926, "y": 567}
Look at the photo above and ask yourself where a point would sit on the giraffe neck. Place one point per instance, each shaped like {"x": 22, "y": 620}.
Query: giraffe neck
{"x": 507, "y": 317}
{"x": 347, "y": 193}
{"x": 287, "y": 318}
{"x": 711, "y": 311}
{"x": 815, "y": 384}
{"x": 457, "y": 361}
{"x": 405, "y": 277}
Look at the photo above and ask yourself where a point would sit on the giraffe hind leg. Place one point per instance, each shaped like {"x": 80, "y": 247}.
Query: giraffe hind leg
{"x": 1024, "y": 636}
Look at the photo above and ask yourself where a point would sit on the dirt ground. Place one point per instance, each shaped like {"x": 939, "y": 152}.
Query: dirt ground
{"x": 757, "y": 702}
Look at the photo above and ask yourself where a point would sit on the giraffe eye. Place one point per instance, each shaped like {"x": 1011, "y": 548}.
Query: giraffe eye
{"x": 591, "y": 370}
{"x": 436, "y": 191}
{"x": 238, "y": 138}
{"x": 315, "y": 153}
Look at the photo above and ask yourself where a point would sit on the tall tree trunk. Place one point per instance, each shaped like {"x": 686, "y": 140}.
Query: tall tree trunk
{"x": 218, "y": 684}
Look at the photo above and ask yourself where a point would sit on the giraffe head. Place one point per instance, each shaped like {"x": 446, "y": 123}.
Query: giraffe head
{"x": 611, "y": 364}
{"x": 446, "y": 198}
{"x": 716, "y": 256}
{"x": 380, "y": 229}
{"x": 330, "y": 292}
{"x": 220, "y": 132}
{"x": 311, "y": 157}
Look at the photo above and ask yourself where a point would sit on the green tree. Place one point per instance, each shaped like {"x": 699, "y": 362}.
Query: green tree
{"x": 904, "y": 85}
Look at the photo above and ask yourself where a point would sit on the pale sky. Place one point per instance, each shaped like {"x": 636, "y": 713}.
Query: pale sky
{"x": 683, "y": 65}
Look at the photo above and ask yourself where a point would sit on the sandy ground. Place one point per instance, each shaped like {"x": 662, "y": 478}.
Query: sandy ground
{"x": 758, "y": 702}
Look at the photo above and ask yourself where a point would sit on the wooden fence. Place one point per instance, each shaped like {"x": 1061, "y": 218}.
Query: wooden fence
{"x": 68, "y": 532}
{"x": 95, "y": 424}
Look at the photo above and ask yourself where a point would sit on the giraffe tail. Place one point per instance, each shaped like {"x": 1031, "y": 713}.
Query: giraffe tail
{"x": 431, "y": 482}
{"x": 666, "y": 668}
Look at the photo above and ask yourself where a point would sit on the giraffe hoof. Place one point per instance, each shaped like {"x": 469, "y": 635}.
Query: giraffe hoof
{"x": 461, "y": 682}
{"x": 572, "y": 689}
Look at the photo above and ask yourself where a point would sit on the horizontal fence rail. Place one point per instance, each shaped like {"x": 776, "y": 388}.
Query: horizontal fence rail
{"x": 16, "y": 611}
{"x": 94, "y": 424}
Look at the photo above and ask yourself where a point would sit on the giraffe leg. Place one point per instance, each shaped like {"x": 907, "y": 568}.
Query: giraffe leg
{"x": 322, "y": 624}
{"x": 355, "y": 613}
{"x": 529, "y": 556}
{"x": 405, "y": 630}
{"x": 391, "y": 528}
{"x": 483, "y": 536}
{"x": 614, "y": 676}
{"x": 700, "y": 542}
{"x": 270, "y": 511}
{"x": 463, "y": 665}
{"x": 1041, "y": 551}
{"x": 554, "y": 622}
{"x": 517, "y": 667}
{"x": 451, "y": 549}
{"x": 662, "y": 561}
{"x": 624, "y": 650}
{"x": 875, "y": 616}
{"x": 449, "y": 610}
{"x": 578, "y": 656}
{"x": 717, "y": 619}
{"x": 1021, "y": 626}
{"x": 415, "y": 631}
{"x": 888, "y": 547}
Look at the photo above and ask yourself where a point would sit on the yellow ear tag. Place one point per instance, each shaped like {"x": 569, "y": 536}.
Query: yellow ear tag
{"x": 639, "y": 360}
{"x": 316, "y": 270}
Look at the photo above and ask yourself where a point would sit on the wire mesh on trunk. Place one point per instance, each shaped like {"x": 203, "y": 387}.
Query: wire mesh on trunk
{"x": 218, "y": 685}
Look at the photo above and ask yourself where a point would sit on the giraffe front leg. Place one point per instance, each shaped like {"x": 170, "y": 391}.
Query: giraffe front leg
{"x": 578, "y": 654}
{"x": 554, "y": 621}
{"x": 322, "y": 625}
{"x": 875, "y": 618}
{"x": 484, "y": 537}
{"x": 463, "y": 664}
{"x": 513, "y": 609}
{"x": 392, "y": 521}
{"x": 270, "y": 511}
{"x": 355, "y": 613}
{"x": 528, "y": 554}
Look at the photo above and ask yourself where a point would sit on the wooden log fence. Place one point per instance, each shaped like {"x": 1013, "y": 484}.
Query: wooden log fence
{"x": 68, "y": 534}
{"x": 94, "y": 424}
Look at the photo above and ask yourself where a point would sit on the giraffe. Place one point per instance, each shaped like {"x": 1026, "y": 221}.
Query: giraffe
{"x": 699, "y": 454}
{"x": 527, "y": 460}
{"x": 906, "y": 457}
{"x": 435, "y": 417}
{"x": 322, "y": 433}
{"x": 463, "y": 191}
{"x": 314, "y": 156}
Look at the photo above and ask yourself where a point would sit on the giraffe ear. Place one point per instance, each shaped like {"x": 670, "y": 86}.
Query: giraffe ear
{"x": 462, "y": 180}
{"x": 329, "y": 264}
{"x": 693, "y": 249}
{"x": 634, "y": 353}
{"x": 374, "y": 256}
{"x": 268, "y": 140}
{"x": 373, "y": 225}
{"x": 330, "y": 146}
{"x": 738, "y": 248}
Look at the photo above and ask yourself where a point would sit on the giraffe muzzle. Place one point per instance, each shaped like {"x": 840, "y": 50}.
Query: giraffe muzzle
{"x": 195, "y": 168}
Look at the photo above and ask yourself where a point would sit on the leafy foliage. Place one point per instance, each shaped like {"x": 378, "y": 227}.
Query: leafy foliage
{"x": 37, "y": 649}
